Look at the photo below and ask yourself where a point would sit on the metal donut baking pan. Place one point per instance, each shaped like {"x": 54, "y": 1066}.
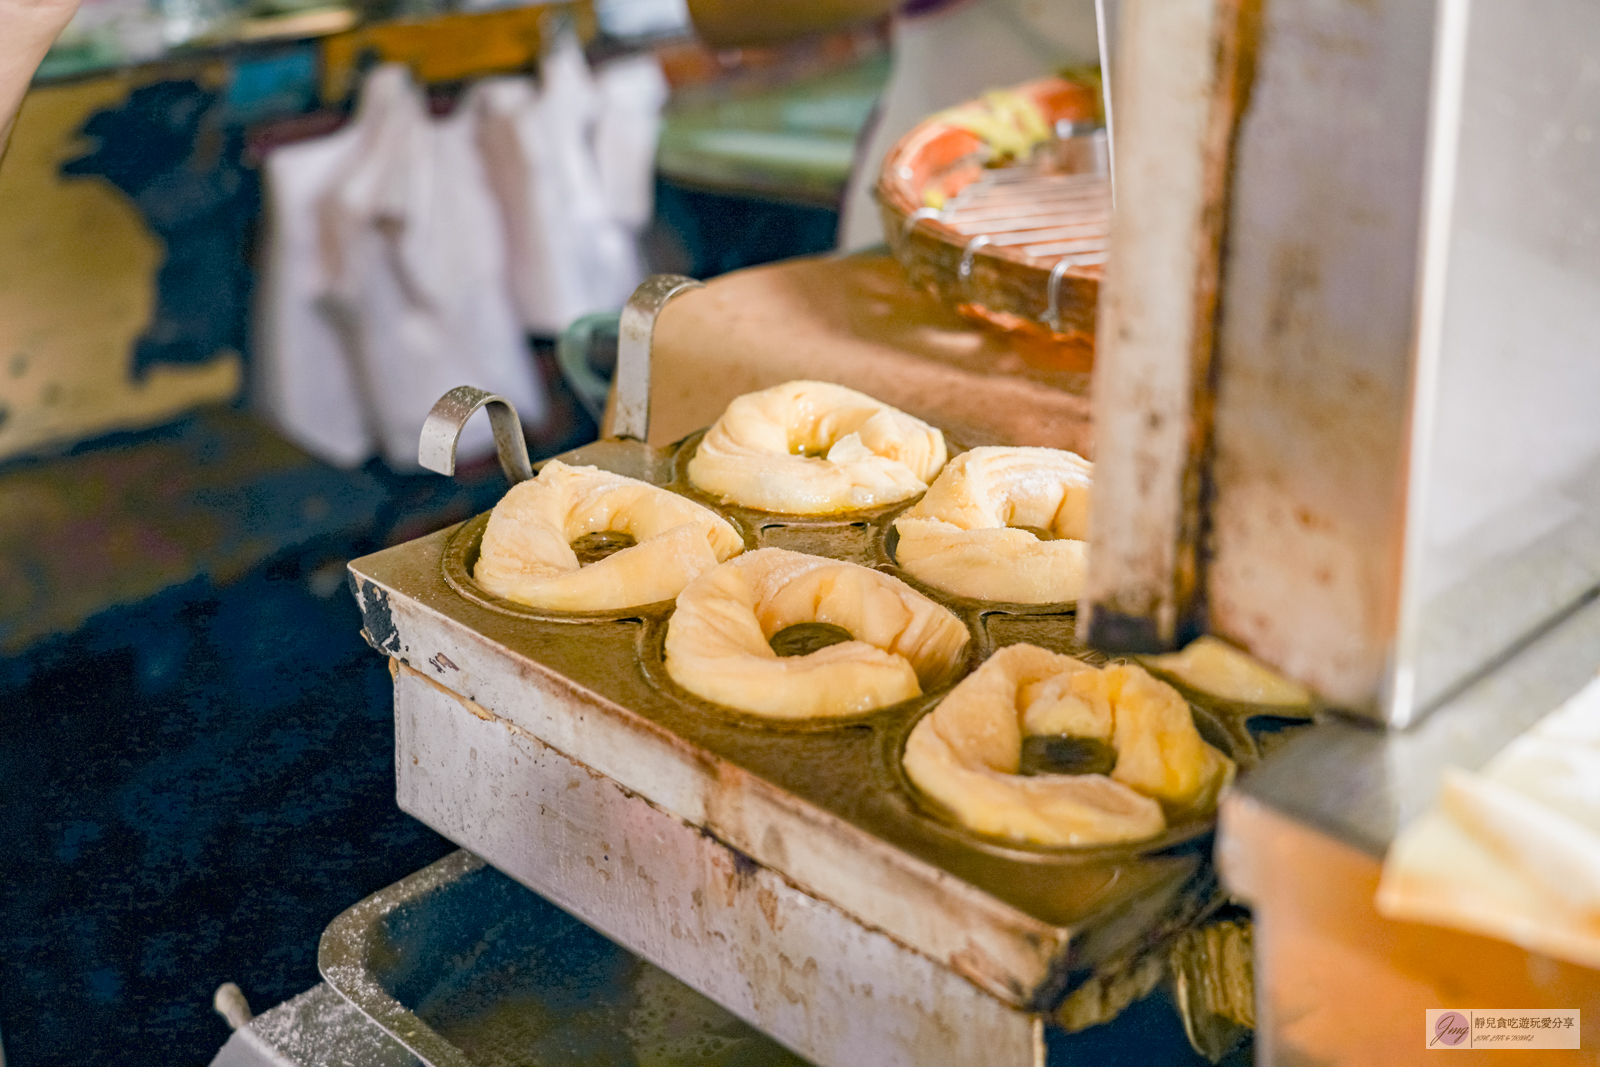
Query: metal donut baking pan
{"x": 788, "y": 871}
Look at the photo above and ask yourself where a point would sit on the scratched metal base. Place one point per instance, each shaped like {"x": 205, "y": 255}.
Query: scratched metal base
{"x": 789, "y": 872}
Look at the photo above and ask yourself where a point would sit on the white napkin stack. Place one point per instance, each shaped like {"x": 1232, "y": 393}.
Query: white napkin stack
{"x": 1513, "y": 852}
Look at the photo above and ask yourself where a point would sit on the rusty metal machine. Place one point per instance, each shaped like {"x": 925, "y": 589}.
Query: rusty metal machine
{"x": 789, "y": 872}
{"x": 1343, "y": 419}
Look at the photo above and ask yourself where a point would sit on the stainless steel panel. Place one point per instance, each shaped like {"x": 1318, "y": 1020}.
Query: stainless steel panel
{"x": 1504, "y": 505}
{"x": 790, "y": 964}
{"x": 1313, "y": 381}
{"x": 1387, "y": 474}
{"x": 1182, "y": 72}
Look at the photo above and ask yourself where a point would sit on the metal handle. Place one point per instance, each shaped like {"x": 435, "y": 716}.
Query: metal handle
{"x": 968, "y": 254}
{"x": 572, "y": 356}
{"x": 629, "y": 410}
{"x": 441, "y": 431}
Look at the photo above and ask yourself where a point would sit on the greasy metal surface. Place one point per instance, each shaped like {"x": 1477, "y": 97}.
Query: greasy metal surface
{"x": 804, "y": 638}
{"x": 1390, "y": 460}
{"x": 629, "y": 412}
{"x": 1361, "y": 784}
{"x": 318, "y": 1028}
{"x": 468, "y": 968}
{"x": 352, "y": 951}
{"x": 442, "y": 429}
{"x": 1214, "y": 984}
{"x": 823, "y": 803}
{"x": 798, "y": 968}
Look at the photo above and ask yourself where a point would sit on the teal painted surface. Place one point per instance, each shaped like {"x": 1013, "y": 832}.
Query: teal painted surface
{"x": 794, "y": 142}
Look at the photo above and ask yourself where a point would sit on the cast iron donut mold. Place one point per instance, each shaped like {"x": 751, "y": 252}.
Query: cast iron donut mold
{"x": 864, "y": 537}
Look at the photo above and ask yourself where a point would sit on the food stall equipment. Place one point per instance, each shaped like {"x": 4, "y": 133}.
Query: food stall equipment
{"x": 1340, "y": 420}
{"x": 1344, "y": 419}
{"x": 787, "y": 872}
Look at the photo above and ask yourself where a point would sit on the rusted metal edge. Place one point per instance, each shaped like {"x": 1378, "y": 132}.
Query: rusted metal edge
{"x": 1184, "y": 83}
{"x": 969, "y": 965}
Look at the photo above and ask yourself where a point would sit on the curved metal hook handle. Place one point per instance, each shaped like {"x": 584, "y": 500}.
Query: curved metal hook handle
{"x": 441, "y": 430}
{"x": 630, "y": 404}
{"x": 1052, "y": 311}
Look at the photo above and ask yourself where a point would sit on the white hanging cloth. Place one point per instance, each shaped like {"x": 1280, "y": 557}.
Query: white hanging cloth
{"x": 415, "y": 257}
{"x": 407, "y": 255}
{"x": 301, "y": 379}
{"x": 632, "y": 92}
{"x": 570, "y": 255}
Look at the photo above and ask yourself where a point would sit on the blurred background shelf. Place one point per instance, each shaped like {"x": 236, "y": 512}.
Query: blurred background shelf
{"x": 793, "y": 142}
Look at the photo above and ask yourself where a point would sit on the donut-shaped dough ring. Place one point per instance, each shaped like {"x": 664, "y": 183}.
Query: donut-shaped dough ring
{"x": 716, "y": 644}
{"x": 966, "y": 753}
{"x": 811, "y": 448}
{"x": 527, "y": 551}
{"x": 958, "y": 537}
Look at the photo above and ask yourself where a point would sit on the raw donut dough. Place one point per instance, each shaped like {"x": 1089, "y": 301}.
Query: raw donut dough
{"x": 811, "y": 448}
{"x": 527, "y": 551}
{"x": 1214, "y": 667}
{"x": 716, "y": 644}
{"x": 966, "y": 752}
{"x": 958, "y": 537}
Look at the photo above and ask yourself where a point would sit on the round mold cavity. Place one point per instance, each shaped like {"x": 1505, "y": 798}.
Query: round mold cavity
{"x": 461, "y": 556}
{"x": 653, "y": 662}
{"x": 851, "y": 542}
{"x": 943, "y": 822}
{"x": 889, "y": 540}
{"x": 1242, "y": 709}
{"x": 1246, "y": 723}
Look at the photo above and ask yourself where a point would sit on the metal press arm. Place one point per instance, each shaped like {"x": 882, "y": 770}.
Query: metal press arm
{"x": 628, "y": 414}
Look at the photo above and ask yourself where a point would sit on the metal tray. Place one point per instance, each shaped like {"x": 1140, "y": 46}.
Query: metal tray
{"x": 466, "y": 968}
{"x": 824, "y": 805}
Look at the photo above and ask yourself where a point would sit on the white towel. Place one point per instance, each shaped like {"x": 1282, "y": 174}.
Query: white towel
{"x": 414, "y": 258}
{"x": 570, "y": 255}
{"x": 301, "y": 379}
{"x": 1513, "y": 851}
